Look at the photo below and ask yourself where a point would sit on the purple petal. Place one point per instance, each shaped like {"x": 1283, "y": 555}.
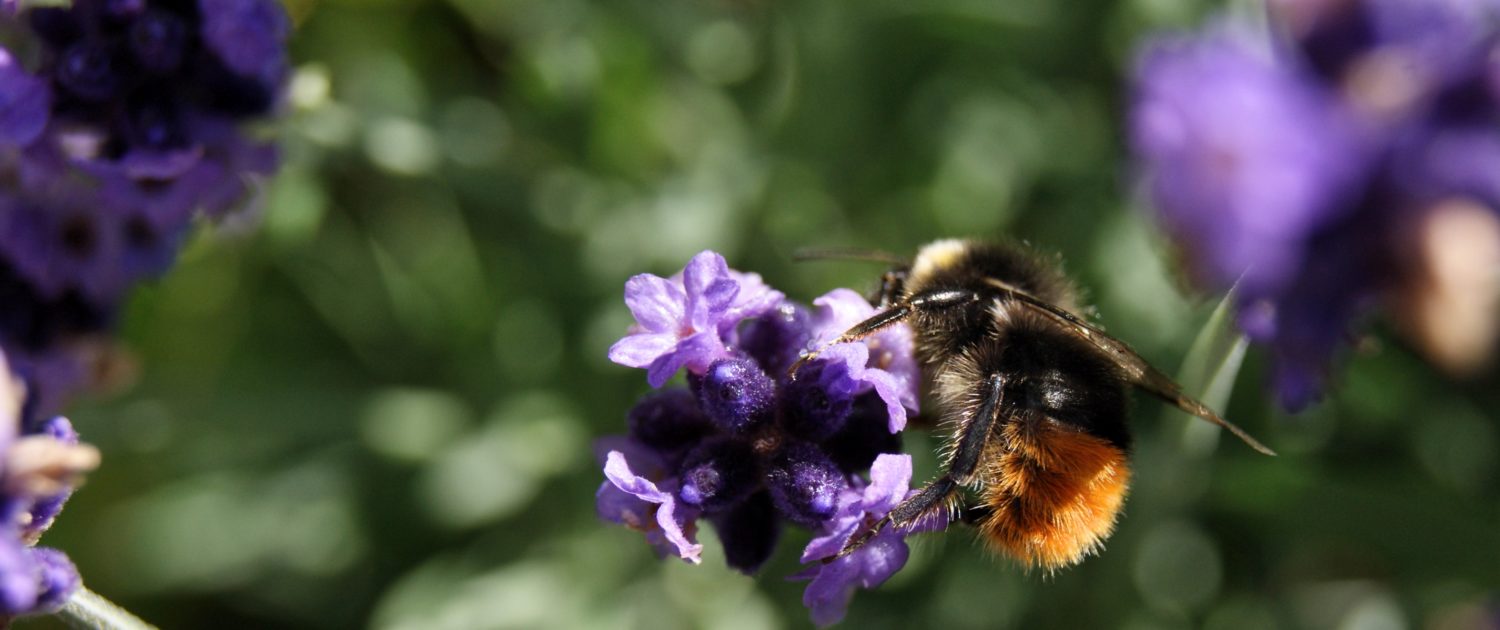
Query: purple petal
{"x": 881, "y": 558}
{"x": 890, "y": 477}
{"x": 25, "y": 102}
{"x": 754, "y": 299}
{"x": 618, "y": 506}
{"x": 838, "y": 311}
{"x": 838, "y": 531}
{"x": 889, "y": 351}
{"x": 706, "y": 282}
{"x": 617, "y": 470}
{"x": 892, "y": 391}
{"x": 695, "y": 353}
{"x": 657, "y": 303}
{"x": 674, "y": 521}
{"x": 642, "y": 349}
{"x": 827, "y": 596}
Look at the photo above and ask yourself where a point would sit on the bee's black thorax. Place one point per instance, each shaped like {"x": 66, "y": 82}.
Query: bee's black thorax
{"x": 969, "y": 266}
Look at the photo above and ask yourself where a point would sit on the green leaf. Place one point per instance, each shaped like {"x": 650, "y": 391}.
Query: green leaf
{"x": 1209, "y": 372}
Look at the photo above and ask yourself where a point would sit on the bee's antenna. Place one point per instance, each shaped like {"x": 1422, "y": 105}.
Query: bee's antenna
{"x": 849, "y": 253}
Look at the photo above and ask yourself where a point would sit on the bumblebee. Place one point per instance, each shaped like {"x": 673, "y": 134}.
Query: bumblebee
{"x": 1033, "y": 397}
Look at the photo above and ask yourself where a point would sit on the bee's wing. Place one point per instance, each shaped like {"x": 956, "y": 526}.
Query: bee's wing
{"x": 1140, "y": 373}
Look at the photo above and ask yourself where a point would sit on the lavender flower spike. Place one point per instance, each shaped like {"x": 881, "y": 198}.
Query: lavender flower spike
{"x": 833, "y": 584}
{"x": 1241, "y": 195}
{"x": 126, "y": 123}
{"x": 1302, "y": 168}
{"x": 747, "y": 447}
{"x": 683, "y": 321}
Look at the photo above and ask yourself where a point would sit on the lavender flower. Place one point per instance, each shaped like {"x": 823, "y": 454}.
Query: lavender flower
{"x": 1274, "y": 175}
{"x": 1296, "y": 168}
{"x": 833, "y": 581}
{"x": 634, "y": 500}
{"x": 747, "y": 446}
{"x": 128, "y": 127}
{"x": 883, "y": 363}
{"x": 37, "y": 472}
{"x": 681, "y": 321}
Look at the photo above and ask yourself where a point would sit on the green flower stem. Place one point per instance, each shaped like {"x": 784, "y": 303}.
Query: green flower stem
{"x": 87, "y": 609}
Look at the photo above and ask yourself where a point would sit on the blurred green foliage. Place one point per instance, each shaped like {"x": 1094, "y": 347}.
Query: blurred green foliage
{"x": 374, "y": 405}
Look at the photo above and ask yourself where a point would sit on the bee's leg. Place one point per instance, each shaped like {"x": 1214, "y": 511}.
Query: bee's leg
{"x": 943, "y": 491}
{"x": 930, "y": 301}
{"x": 936, "y": 495}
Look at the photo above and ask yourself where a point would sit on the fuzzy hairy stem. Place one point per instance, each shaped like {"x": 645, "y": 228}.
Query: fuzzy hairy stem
{"x": 87, "y": 609}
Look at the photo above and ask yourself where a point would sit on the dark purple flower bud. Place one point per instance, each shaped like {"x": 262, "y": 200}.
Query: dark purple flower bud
{"x": 777, "y": 338}
{"x": 668, "y": 420}
{"x": 58, "y": 578}
{"x": 805, "y": 483}
{"x": 88, "y": 70}
{"x": 738, "y": 395}
{"x": 749, "y": 533}
{"x": 718, "y": 474}
{"x": 816, "y": 404}
{"x": 866, "y": 434}
{"x": 158, "y": 40}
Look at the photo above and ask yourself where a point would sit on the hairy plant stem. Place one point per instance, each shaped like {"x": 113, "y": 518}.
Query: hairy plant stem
{"x": 87, "y": 609}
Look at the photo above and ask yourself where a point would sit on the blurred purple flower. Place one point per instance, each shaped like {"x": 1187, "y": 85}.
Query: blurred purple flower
{"x": 129, "y": 125}
{"x": 1295, "y": 169}
{"x": 833, "y": 582}
{"x": 682, "y": 321}
{"x": 1241, "y": 196}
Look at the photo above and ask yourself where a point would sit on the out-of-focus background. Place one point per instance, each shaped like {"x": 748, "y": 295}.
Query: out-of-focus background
{"x": 375, "y": 406}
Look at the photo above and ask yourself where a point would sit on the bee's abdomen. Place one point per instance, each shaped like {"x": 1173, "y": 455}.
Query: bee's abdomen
{"x": 1053, "y": 496}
